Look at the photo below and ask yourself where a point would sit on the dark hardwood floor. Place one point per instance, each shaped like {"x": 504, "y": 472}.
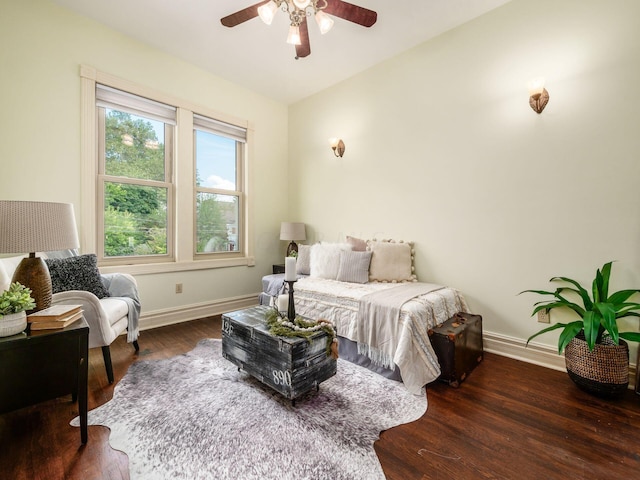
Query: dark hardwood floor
{"x": 509, "y": 420}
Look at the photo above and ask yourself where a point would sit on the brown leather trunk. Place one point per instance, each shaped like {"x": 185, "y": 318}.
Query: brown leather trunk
{"x": 458, "y": 346}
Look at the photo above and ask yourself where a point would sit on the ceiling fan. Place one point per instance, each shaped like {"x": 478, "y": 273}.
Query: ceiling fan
{"x": 299, "y": 11}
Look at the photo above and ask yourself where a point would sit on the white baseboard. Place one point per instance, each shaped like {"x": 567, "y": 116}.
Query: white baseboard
{"x": 534, "y": 353}
{"x": 170, "y": 316}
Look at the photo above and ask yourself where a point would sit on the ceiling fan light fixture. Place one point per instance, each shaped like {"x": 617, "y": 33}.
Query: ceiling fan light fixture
{"x": 267, "y": 12}
{"x": 294, "y": 35}
{"x": 324, "y": 21}
{"x": 301, "y": 4}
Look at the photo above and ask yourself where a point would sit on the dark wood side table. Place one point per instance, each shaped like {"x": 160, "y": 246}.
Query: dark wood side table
{"x": 46, "y": 364}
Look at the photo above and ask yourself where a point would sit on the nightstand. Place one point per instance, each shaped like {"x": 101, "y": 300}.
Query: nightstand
{"x": 277, "y": 268}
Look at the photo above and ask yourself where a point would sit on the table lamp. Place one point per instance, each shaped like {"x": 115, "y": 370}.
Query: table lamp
{"x": 30, "y": 227}
{"x": 292, "y": 231}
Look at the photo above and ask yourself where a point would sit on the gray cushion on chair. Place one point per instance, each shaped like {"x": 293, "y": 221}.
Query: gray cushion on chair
{"x": 76, "y": 273}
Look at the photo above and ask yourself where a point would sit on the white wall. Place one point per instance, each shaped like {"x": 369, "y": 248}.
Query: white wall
{"x": 43, "y": 48}
{"x": 442, "y": 148}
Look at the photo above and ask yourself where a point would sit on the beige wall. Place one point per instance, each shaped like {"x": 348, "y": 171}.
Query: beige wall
{"x": 442, "y": 148}
{"x": 43, "y": 48}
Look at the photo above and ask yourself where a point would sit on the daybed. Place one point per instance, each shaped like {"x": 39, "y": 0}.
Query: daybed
{"x": 381, "y": 312}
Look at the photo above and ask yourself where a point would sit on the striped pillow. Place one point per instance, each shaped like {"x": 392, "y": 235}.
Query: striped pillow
{"x": 354, "y": 267}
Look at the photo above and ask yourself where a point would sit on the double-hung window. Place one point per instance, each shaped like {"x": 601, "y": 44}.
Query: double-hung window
{"x": 164, "y": 180}
{"x": 219, "y": 150}
{"x": 135, "y": 186}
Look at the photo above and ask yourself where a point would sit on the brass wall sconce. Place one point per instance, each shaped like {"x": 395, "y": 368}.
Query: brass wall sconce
{"x": 538, "y": 95}
{"x": 337, "y": 145}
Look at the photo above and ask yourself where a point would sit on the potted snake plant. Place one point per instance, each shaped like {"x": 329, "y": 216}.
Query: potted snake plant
{"x": 13, "y": 305}
{"x": 596, "y": 354}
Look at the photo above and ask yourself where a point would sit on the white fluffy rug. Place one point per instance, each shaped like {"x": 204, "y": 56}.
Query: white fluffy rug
{"x": 195, "y": 416}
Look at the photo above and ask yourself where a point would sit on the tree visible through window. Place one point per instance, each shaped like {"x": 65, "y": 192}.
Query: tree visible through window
{"x": 135, "y": 216}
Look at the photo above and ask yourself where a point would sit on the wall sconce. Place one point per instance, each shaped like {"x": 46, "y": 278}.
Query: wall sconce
{"x": 337, "y": 145}
{"x": 538, "y": 95}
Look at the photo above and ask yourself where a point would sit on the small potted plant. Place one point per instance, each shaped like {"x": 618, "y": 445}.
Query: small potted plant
{"x": 597, "y": 358}
{"x": 13, "y": 305}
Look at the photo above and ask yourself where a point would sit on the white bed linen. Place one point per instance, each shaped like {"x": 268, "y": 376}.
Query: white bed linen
{"x": 339, "y": 302}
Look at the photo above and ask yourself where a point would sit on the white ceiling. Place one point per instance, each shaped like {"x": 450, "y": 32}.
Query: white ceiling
{"x": 257, "y": 57}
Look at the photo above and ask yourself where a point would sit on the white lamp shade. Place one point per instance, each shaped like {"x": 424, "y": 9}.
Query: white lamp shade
{"x": 292, "y": 231}
{"x": 27, "y": 227}
{"x": 267, "y": 12}
{"x": 301, "y": 4}
{"x": 294, "y": 35}
{"x": 324, "y": 21}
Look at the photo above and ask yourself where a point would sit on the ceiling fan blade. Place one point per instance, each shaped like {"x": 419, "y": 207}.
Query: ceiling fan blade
{"x": 304, "y": 49}
{"x": 353, "y": 13}
{"x": 242, "y": 16}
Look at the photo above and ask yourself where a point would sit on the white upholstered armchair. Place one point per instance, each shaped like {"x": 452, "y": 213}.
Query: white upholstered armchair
{"x": 118, "y": 309}
{"x": 107, "y": 317}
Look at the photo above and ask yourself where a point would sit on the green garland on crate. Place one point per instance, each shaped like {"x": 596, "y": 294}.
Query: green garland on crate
{"x": 281, "y": 326}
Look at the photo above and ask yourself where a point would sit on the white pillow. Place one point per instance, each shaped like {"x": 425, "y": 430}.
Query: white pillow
{"x": 325, "y": 259}
{"x": 391, "y": 261}
{"x": 303, "y": 264}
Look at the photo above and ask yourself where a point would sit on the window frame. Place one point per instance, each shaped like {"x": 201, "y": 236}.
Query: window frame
{"x": 168, "y": 183}
{"x": 239, "y": 184}
{"x": 182, "y": 172}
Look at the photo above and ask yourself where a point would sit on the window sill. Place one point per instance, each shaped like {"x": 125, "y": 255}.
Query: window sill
{"x": 152, "y": 268}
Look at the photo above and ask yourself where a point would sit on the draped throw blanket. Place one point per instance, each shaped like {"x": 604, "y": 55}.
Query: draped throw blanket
{"x": 378, "y": 320}
{"x": 123, "y": 287}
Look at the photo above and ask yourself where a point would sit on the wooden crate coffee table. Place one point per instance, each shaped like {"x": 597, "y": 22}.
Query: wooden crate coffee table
{"x": 289, "y": 365}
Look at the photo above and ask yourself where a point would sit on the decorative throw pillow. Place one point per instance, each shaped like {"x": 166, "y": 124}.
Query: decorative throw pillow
{"x": 391, "y": 261}
{"x": 325, "y": 259}
{"x": 303, "y": 264}
{"x": 354, "y": 267}
{"x": 357, "y": 244}
{"x": 76, "y": 273}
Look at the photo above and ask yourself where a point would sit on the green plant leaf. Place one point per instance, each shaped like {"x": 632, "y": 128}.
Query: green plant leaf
{"x": 622, "y": 296}
{"x": 604, "y": 281}
{"x": 609, "y": 319}
{"x": 545, "y": 330}
{"x": 570, "y": 331}
{"x": 548, "y": 306}
{"x": 631, "y": 336}
{"x": 626, "y": 309}
{"x": 539, "y": 292}
{"x": 588, "y": 304}
{"x": 591, "y": 322}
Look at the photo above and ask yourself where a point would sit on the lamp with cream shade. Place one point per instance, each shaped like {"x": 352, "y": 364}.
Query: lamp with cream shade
{"x": 292, "y": 231}
{"x": 31, "y": 227}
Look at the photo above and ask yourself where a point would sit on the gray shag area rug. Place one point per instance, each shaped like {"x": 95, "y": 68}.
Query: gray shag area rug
{"x": 195, "y": 416}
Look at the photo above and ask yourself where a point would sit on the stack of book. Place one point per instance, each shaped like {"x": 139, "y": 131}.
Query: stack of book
{"x": 56, "y": 316}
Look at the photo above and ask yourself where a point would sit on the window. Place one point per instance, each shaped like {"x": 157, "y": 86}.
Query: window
{"x": 135, "y": 189}
{"x": 164, "y": 189}
{"x": 219, "y": 149}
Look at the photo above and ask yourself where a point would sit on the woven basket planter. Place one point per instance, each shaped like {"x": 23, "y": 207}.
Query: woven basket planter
{"x": 12, "y": 324}
{"x": 604, "y": 371}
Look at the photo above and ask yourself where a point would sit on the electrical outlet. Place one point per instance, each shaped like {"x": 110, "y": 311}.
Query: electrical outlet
{"x": 544, "y": 316}
{"x": 178, "y": 288}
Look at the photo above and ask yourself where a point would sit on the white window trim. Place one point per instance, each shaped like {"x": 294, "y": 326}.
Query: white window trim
{"x": 184, "y": 252}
